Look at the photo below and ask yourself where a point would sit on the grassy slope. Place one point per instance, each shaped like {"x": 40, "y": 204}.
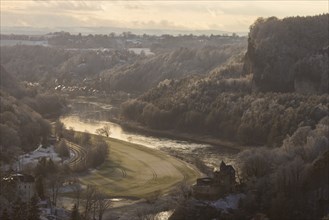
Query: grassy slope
{"x": 137, "y": 171}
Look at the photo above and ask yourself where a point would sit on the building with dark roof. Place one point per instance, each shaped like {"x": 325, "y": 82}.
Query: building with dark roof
{"x": 24, "y": 183}
{"x": 222, "y": 182}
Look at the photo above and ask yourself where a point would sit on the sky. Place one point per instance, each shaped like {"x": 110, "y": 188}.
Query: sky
{"x": 224, "y": 15}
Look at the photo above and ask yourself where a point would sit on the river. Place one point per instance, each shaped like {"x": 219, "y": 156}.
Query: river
{"x": 89, "y": 116}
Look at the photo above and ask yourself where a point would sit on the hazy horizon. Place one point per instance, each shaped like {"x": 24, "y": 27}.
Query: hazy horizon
{"x": 152, "y": 17}
{"x": 108, "y": 30}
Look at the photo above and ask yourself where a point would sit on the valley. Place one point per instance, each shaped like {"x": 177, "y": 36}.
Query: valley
{"x": 185, "y": 127}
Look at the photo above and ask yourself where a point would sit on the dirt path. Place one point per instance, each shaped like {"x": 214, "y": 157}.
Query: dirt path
{"x": 136, "y": 171}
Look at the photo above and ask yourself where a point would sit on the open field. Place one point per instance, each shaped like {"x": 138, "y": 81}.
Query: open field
{"x": 136, "y": 171}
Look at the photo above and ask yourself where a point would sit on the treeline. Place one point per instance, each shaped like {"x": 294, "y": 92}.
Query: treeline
{"x": 168, "y": 42}
{"x": 65, "y": 39}
{"x": 131, "y": 40}
{"x": 262, "y": 119}
{"x": 290, "y": 182}
{"x": 289, "y": 55}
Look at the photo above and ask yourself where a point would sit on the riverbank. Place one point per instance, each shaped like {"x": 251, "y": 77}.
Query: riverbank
{"x": 133, "y": 170}
{"x": 235, "y": 147}
{"x": 92, "y": 116}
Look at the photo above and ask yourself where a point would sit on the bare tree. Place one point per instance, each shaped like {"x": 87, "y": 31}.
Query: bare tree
{"x": 95, "y": 203}
{"x": 105, "y": 130}
{"x": 77, "y": 191}
{"x": 89, "y": 199}
{"x": 55, "y": 182}
{"x": 185, "y": 190}
{"x": 102, "y": 203}
{"x": 146, "y": 214}
{"x": 182, "y": 193}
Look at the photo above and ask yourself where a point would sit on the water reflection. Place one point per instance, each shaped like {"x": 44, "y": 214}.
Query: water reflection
{"x": 89, "y": 116}
{"x": 85, "y": 123}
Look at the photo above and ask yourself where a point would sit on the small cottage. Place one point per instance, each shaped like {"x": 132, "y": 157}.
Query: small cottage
{"x": 211, "y": 188}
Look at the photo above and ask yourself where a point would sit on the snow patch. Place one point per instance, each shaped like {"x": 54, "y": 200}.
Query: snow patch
{"x": 229, "y": 202}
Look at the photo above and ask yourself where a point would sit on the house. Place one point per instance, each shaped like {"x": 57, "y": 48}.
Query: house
{"x": 24, "y": 183}
{"x": 211, "y": 188}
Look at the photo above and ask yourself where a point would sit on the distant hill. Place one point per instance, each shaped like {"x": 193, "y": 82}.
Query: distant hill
{"x": 51, "y": 67}
{"x": 107, "y": 30}
{"x": 289, "y": 55}
{"x": 147, "y": 73}
{"x": 76, "y": 64}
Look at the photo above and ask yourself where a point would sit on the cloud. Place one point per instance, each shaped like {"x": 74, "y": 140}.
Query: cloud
{"x": 225, "y": 15}
{"x": 212, "y": 12}
{"x": 37, "y": 20}
{"x": 134, "y": 6}
{"x": 216, "y": 26}
{"x": 162, "y": 24}
{"x": 61, "y": 6}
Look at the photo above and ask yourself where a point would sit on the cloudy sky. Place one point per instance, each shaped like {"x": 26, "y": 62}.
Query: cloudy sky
{"x": 232, "y": 16}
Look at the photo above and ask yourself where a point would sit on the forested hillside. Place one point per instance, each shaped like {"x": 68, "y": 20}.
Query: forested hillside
{"x": 290, "y": 182}
{"x": 22, "y": 128}
{"x": 289, "y": 55}
{"x": 110, "y": 70}
{"x": 224, "y": 102}
{"x": 225, "y": 109}
{"x": 51, "y": 67}
{"x": 275, "y": 97}
{"x": 150, "y": 71}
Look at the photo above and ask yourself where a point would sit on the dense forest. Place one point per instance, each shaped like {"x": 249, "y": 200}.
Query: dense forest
{"x": 289, "y": 182}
